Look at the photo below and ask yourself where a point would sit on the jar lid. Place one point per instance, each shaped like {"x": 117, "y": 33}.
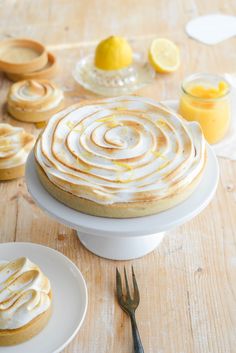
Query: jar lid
{"x": 22, "y": 55}
{"x": 47, "y": 72}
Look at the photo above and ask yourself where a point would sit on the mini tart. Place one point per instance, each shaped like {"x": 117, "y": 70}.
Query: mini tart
{"x": 15, "y": 145}
{"x": 34, "y": 100}
{"x": 25, "y": 301}
{"x": 122, "y": 157}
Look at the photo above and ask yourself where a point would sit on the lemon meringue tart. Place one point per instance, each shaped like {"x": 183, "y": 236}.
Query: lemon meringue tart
{"x": 25, "y": 301}
{"x": 15, "y": 145}
{"x": 34, "y": 100}
{"x": 120, "y": 157}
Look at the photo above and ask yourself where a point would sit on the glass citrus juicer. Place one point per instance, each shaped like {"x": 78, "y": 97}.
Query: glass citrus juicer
{"x": 113, "y": 69}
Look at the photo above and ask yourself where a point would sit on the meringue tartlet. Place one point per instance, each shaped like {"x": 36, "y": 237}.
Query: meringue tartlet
{"x": 34, "y": 100}
{"x": 121, "y": 157}
{"x": 15, "y": 145}
{"x": 25, "y": 301}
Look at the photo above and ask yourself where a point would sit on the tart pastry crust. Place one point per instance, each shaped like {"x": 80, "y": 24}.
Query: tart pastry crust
{"x": 22, "y": 334}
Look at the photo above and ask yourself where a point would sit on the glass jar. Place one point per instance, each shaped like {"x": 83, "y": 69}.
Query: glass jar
{"x": 205, "y": 98}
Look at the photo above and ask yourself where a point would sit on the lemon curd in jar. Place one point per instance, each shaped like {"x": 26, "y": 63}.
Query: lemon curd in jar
{"x": 205, "y": 99}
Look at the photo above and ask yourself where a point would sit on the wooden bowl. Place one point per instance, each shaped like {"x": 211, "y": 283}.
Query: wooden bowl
{"x": 47, "y": 72}
{"x": 22, "y": 56}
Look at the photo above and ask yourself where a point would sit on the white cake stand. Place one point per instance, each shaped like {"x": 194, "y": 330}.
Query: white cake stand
{"x": 124, "y": 239}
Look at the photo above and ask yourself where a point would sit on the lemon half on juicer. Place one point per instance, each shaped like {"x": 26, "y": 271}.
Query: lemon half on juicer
{"x": 113, "y": 53}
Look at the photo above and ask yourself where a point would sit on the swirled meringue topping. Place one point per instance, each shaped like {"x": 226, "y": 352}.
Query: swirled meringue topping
{"x": 124, "y": 149}
{"x": 15, "y": 145}
{"x": 24, "y": 293}
{"x": 34, "y": 95}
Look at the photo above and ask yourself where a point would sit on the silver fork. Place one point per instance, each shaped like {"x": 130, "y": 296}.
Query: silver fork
{"x": 129, "y": 305}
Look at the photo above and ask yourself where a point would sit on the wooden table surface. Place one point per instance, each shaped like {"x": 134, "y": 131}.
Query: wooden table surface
{"x": 188, "y": 291}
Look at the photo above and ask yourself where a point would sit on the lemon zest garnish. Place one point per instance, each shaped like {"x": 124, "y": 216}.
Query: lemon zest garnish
{"x": 70, "y": 125}
{"x": 78, "y": 129}
{"x": 86, "y": 154}
{"x": 107, "y": 119}
{"x": 160, "y": 122}
{"x": 9, "y": 279}
{"x": 112, "y": 124}
{"x": 120, "y": 108}
{"x": 159, "y": 155}
{"x": 163, "y": 166}
{"x": 128, "y": 168}
{"x": 124, "y": 165}
{"x": 40, "y": 124}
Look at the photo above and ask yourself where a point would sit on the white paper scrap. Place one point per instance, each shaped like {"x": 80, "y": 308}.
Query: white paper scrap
{"x": 212, "y": 29}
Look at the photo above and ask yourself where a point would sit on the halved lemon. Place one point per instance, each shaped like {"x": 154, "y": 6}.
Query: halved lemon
{"x": 164, "y": 55}
{"x": 113, "y": 53}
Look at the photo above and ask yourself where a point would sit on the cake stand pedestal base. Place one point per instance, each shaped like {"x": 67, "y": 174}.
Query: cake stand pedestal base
{"x": 130, "y": 238}
{"x": 120, "y": 248}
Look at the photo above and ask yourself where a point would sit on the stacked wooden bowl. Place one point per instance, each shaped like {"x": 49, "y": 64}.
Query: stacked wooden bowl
{"x": 23, "y": 59}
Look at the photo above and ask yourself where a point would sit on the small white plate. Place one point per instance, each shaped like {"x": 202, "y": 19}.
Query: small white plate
{"x": 69, "y": 297}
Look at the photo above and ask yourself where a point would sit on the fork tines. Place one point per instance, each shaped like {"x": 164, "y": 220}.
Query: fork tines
{"x": 127, "y": 300}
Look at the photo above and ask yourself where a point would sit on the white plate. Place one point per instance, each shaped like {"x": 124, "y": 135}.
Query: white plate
{"x": 69, "y": 297}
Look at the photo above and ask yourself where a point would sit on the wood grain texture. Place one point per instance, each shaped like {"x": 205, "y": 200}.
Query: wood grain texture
{"x": 188, "y": 292}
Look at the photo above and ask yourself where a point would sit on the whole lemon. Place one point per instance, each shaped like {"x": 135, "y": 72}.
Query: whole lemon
{"x": 113, "y": 53}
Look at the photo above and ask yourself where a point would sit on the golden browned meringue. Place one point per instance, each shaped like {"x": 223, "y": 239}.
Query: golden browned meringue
{"x": 120, "y": 157}
{"x": 25, "y": 300}
{"x": 34, "y": 100}
{"x": 15, "y": 145}
{"x": 25, "y": 293}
